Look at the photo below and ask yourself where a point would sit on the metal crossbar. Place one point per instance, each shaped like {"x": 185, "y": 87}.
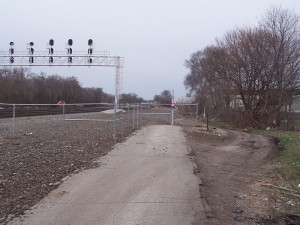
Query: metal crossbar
{"x": 60, "y": 59}
{"x": 91, "y": 120}
{"x": 155, "y": 113}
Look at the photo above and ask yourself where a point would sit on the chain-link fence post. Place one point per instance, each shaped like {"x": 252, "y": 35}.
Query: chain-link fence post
{"x": 63, "y": 119}
{"x": 14, "y": 116}
{"x": 123, "y": 121}
{"x": 141, "y": 114}
{"x": 172, "y": 115}
{"x": 115, "y": 122}
{"x": 137, "y": 115}
{"x": 197, "y": 112}
{"x": 133, "y": 116}
{"x": 128, "y": 122}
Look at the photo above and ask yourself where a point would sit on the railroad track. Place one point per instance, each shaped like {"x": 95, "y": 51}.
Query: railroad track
{"x": 42, "y": 111}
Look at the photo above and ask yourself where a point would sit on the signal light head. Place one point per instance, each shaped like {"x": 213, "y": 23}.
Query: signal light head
{"x": 51, "y": 42}
{"x": 11, "y": 43}
{"x": 70, "y": 42}
{"x": 31, "y": 43}
{"x": 70, "y": 59}
{"x": 90, "y": 42}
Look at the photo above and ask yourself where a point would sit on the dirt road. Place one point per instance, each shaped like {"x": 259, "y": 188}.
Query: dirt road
{"x": 233, "y": 167}
{"x": 148, "y": 179}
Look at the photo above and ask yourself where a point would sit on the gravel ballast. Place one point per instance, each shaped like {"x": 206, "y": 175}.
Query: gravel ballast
{"x": 46, "y": 149}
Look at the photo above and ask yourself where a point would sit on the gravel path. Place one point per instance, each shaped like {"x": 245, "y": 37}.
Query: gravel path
{"x": 46, "y": 149}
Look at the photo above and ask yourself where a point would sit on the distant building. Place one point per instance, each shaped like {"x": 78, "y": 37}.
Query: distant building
{"x": 296, "y": 104}
{"x": 236, "y": 102}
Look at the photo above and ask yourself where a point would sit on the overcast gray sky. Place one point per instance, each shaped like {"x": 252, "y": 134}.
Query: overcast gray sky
{"x": 154, "y": 36}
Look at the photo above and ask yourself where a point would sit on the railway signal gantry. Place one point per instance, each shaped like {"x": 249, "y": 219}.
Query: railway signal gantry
{"x": 51, "y": 57}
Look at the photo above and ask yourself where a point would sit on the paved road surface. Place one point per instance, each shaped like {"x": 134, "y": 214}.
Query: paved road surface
{"x": 148, "y": 179}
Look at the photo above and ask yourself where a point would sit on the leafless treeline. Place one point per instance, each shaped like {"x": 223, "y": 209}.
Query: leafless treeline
{"x": 164, "y": 98}
{"x": 251, "y": 74}
{"x": 19, "y": 85}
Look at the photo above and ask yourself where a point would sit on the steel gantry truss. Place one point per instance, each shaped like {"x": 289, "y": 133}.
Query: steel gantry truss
{"x": 60, "y": 59}
{"x": 89, "y": 59}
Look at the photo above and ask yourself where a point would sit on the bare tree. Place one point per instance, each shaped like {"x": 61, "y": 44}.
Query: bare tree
{"x": 164, "y": 98}
{"x": 283, "y": 27}
{"x": 21, "y": 86}
{"x": 131, "y": 98}
{"x": 261, "y": 65}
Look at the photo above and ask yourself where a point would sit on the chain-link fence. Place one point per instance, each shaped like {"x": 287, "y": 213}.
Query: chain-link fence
{"x": 93, "y": 119}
